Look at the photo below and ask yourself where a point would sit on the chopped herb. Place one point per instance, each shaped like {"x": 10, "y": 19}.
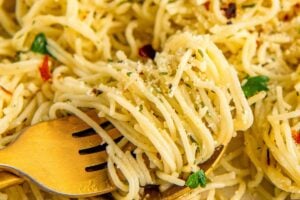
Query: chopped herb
{"x": 163, "y": 73}
{"x": 196, "y": 179}
{"x": 129, "y": 73}
{"x": 147, "y": 51}
{"x": 255, "y": 84}
{"x": 200, "y": 52}
{"x": 39, "y": 44}
{"x": 19, "y": 36}
{"x": 140, "y": 107}
{"x": 230, "y": 11}
{"x": 188, "y": 85}
{"x": 248, "y": 5}
{"x": 109, "y": 60}
{"x": 202, "y": 104}
{"x": 299, "y": 30}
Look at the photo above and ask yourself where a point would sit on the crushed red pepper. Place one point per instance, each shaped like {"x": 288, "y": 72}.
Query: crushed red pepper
{"x": 147, "y": 51}
{"x": 44, "y": 69}
{"x": 230, "y": 11}
{"x": 296, "y": 136}
{"x": 207, "y": 5}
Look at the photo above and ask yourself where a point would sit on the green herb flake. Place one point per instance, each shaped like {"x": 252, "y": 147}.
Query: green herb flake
{"x": 248, "y": 5}
{"x": 188, "y": 85}
{"x": 255, "y": 84}
{"x": 141, "y": 107}
{"x": 200, "y": 52}
{"x": 39, "y": 44}
{"x": 196, "y": 179}
{"x": 163, "y": 73}
{"x": 129, "y": 73}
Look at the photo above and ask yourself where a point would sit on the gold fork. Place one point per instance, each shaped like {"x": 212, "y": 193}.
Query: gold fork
{"x": 65, "y": 156}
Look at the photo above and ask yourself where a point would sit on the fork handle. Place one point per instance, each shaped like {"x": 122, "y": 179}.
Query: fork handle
{"x": 7, "y": 179}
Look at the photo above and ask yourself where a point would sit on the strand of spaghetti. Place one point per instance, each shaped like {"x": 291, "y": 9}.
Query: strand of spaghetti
{"x": 201, "y": 132}
{"x": 154, "y": 161}
{"x": 151, "y": 132}
{"x": 217, "y": 11}
{"x": 183, "y": 64}
{"x": 130, "y": 38}
{"x": 42, "y": 109}
{"x": 248, "y": 53}
{"x": 285, "y": 159}
{"x": 33, "y": 11}
{"x": 127, "y": 170}
{"x": 13, "y": 109}
{"x": 72, "y": 9}
{"x": 143, "y": 89}
{"x": 250, "y": 149}
{"x": 226, "y": 124}
{"x": 26, "y": 114}
{"x": 284, "y": 116}
{"x": 170, "y": 178}
{"x": 190, "y": 155}
{"x": 19, "y": 67}
{"x": 7, "y": 23}
{"x": 143, "y": 167}
{"x": 103, "y": 109}
{"x": 113, "y": 175}
{"x": 238, "y": 194}
{"x": 140, "y": 173}
{"x": 133, "y": 136}
{"x": 157, "y": 24}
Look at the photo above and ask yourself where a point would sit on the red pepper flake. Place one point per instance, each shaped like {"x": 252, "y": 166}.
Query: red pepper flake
{"x": 44, "y": 69}
{"x": 286, "y": 17}
{"x": 296, "y": 136}
{"x": 230, "y": 11}
{"x": 207, "y": 5}
{"x": 147, "y": 51}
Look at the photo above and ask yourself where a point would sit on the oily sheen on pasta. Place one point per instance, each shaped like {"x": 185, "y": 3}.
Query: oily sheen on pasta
{"x": 177, "y": 78}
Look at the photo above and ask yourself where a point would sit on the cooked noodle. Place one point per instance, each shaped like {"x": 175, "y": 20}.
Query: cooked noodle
{"x": 176, "y": 108}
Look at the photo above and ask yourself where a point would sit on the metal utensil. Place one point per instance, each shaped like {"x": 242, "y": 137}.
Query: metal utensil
{"x": 65, "y": 156}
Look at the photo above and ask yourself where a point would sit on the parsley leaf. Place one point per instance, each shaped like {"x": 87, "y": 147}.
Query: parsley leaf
{"x": 196, "y": 179}
{"x": 248, "y": 5}
{"x": 255, "y": 84}
{"x": 39, "y": 44}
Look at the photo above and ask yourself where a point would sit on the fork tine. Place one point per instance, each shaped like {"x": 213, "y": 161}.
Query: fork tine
{"x": 98, "y": 148}
{"x": 84, "y": 133}
{"x": 95, "y": 140}
{"x": 97, "y": 167}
